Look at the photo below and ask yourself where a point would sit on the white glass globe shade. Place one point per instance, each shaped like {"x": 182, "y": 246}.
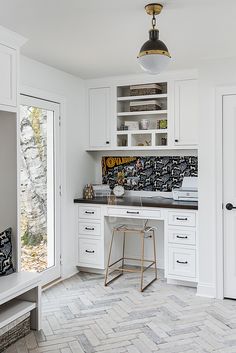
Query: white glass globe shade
{"x": 154, "y": 63}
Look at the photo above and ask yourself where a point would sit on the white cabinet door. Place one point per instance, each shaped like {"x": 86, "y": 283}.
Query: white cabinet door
{"x": 8, "y": 82}
{"x": 99, "y": 113}
{"x": 186, "y": 112}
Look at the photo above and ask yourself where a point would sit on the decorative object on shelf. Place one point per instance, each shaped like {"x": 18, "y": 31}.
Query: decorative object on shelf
{"x": 149, "y": 173}
{"x": 144, "y": 124}
{"x": 163, "y": 141}
{"x": 101, "y": 190}
{"x": 154, "y": 55}
{"x": 88, "y": 192}
{"x": 143, "y": 106}
{"x": 163, "y": 124}
{"x": 119, "y": 190}
{"x": 6, "y": 264}
{"x": 132, "y": 125}
{"x": 145, "y": 90}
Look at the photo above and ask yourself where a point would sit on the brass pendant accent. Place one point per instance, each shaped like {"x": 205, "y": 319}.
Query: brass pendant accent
{"x": 154, "y": 51}
{"x": 153, "y": 9}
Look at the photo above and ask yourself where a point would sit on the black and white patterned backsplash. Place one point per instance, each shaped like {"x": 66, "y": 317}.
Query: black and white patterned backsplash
{"x": 148, "y": 173}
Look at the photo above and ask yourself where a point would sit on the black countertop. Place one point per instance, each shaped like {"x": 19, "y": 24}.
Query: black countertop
{"x": 143, "y": 202}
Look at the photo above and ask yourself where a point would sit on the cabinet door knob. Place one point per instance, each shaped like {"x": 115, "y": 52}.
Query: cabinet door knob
{"x": 176, "y": 140}
{"x": 107, "y": 142}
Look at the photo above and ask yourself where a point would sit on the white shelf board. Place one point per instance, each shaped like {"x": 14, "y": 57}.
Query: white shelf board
{"x": 141, "y": 148}
{"x": 133, "y": 132}
{"x": 13, "y": 310}
{"x": 150, "y": 112}
{"x": 145, "y": 97}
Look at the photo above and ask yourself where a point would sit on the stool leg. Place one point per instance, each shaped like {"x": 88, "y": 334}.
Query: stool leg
{"x": 154, "y": 252}
{"x": 123, "y": 260}
{"x": 142, "y": 260}
{"x": 109, "y": 257}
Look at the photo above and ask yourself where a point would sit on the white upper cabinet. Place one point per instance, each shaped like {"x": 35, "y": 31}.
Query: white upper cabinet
{"x": 8, "y": 74}
{"x": 100, "y": 116}
{"x": 186, "y": 112}
{"x": 158, "y": 113}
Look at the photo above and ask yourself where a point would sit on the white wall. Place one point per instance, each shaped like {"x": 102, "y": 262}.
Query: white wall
{"x": 77, "y": 164}
{"x": 212, "y": 74}
{"x": 8, "y": 184}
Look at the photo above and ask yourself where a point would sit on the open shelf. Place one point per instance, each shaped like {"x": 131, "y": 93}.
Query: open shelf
{"x": 145, "y": 97}
{"x": 13, "y": 310}
{"x": 125, "y": 132}
{"x": 142, "y": 106}
{"x": 147, "y": 112}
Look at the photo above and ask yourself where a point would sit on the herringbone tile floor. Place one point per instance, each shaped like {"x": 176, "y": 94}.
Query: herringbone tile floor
{"x": 81, "y": 315}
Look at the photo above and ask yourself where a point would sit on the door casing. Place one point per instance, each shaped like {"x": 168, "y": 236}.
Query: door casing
{"x": 60, "y": 101}
{"x": 219, "y": 259}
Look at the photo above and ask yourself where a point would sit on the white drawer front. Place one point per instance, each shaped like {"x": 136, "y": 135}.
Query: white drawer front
{"x": 89, "y": 228}
{"x": 182, "y": 219}
{"x": 181, "y": 262}
{"x": 90, "y": 251}
{"x": 180, "y": 236}
{"x": 89, "y": 212}
{"x": 134, "y": 213}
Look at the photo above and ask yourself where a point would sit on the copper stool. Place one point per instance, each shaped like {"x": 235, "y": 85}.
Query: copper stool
{"x": 144, "y": 232}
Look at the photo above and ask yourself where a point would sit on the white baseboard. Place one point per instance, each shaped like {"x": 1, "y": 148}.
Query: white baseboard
{"x": 181, "y": 283}
{"x": 207, "y": 290}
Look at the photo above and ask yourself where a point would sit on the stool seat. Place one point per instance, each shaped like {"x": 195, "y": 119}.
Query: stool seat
{"x": 132, "y": 228}
{"x": 144, "y": 232}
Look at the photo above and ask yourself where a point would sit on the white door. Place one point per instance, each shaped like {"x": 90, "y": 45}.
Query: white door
{"x": 229, "y": 194}
{"x": 39, "y": 216}
{"x": 99, "y": 113}
{"x": 186, "y": 113}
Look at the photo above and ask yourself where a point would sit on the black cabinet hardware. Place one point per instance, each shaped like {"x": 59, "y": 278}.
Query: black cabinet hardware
{"x": 89, "y": 212}
{"x": 182, "y": 262}
{"x": 88, "y": 228}
{"x": 107, "y": 142}
{"x": 181, "y": 219}
{"x": 132, "y": 212}
{"x": 90, "y": 251}
{"x": 176, "y": 140}
{"x": 180, "y": 237}
{"x": 229, "y": 206}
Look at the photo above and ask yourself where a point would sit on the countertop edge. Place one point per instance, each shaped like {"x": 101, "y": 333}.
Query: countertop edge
{"x": 173, "y": 204}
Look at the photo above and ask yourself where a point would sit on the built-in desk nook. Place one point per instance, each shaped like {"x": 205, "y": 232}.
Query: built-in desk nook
{"x": 176, "y": 221}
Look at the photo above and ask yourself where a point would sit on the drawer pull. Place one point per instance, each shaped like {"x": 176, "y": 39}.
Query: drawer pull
{"x": 90, "y": 251}
{"x": 181, "y": 219}
{"x": 182, "y": 262}
{"x": 132, "y": 212}
{"x": 89, "y": 212}
{"x": 88, "y": 228}
{"x": 180, "y": 237}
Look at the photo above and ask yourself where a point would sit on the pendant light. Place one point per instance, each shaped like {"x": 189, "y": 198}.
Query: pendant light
{"x": 154, "y": 55}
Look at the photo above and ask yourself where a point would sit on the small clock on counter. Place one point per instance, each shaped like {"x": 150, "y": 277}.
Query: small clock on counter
{"x": 119, "y": 191}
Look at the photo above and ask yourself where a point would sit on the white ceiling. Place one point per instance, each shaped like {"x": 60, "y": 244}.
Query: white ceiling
{"x": 98, "y": 38}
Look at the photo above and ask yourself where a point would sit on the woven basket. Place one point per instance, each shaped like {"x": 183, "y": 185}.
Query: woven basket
{"x": 21, "y": 329}
{"x": 144, "y": 108}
